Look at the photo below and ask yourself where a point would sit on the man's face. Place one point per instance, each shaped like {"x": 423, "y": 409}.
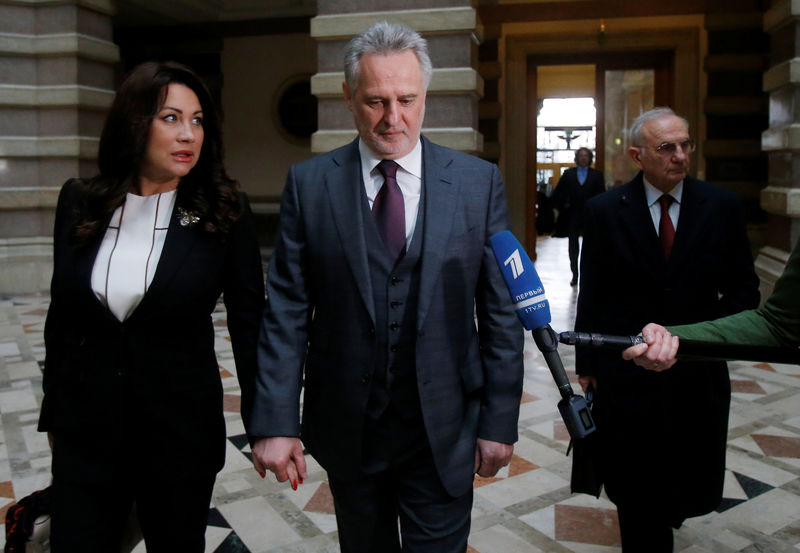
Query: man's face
{"x": 583, "y": 158}
{"x": 388, "y": 104}
{"x": 662, "y": 169}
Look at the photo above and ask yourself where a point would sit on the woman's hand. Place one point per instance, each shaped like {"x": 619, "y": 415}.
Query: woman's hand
{"x": 283, "y": 456}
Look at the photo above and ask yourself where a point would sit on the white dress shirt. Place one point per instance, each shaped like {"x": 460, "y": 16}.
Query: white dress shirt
{"x": 409, "y": 179}
{"x": 128, "y": 256}
{"x": 653, "y": 194}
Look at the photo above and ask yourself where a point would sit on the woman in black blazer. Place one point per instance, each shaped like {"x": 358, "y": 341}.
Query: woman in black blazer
{"x": 142, "y": 252}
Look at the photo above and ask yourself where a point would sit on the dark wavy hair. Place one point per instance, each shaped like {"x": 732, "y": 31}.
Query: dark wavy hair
{"x": 207, "y": 190}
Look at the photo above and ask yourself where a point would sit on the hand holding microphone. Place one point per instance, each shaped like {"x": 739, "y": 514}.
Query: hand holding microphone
{"x": 657, "y": 348}
{"x": 658, "y": 352}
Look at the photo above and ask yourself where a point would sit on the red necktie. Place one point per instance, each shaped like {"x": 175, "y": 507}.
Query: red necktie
{"x": 666, "y": 230}
{"x": 389, "y": 211}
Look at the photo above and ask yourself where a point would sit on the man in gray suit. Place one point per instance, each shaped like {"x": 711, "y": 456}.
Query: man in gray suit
{"x": 381, "y": 264}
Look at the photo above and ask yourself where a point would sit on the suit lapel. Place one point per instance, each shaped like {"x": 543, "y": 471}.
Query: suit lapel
{"x": 84, "y": 265}
{"x": 84, "y": 262}
{"x": 636, "y": 218}
{"x": 691, "y": 222}
{"x": 441, "y": 197}
{"x": 179, "y": 242}
{"x": 344, "y": 184}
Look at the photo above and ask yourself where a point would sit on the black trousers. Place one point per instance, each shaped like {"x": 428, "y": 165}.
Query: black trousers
{"x": 574, "y": 250}
{"x": 399, "y": 481}
{"x": 94, "y": 492}
{"x": 644, "y": 529}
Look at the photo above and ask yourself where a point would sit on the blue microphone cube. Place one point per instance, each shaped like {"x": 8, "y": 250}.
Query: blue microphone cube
{"x": 522, "y": 280}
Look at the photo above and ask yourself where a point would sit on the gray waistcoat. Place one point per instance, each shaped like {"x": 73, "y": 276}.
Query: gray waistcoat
{"x": 395, "y": 294}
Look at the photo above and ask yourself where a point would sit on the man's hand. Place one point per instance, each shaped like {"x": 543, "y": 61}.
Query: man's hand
{"x": 586, "y": 381}
{"x": 658, "y": 353}
{"x": 281, "y": 455}
{"x": 491, "y": 457}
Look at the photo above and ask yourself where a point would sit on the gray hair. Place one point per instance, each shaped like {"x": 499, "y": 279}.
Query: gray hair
{"x": 385, "y": 38}
{"x": 635, "y": 134}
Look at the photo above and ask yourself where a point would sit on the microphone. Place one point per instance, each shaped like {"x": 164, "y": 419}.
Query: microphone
{"x": 599, "y": 340}
{"x": 533, "y": 310}
{"x": 690, "y": 349}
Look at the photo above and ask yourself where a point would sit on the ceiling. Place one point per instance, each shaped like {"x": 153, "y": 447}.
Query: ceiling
{"x": 135, "y": 13}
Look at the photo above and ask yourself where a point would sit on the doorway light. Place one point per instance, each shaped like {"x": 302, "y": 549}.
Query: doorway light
{"x": 567, "y": 112}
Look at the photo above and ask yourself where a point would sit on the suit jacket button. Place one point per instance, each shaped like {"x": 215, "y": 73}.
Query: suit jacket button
{"x": 365, "y": 378}
{"x": 395, "y": 325}
{"x": 394, "y": 348}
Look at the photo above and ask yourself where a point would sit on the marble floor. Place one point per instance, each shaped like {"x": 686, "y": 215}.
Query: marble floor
{"x": 527, "y": 508}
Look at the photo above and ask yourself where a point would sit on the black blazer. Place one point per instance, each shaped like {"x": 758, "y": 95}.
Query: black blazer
{"x": 320, "y": 322}
{"x": 153, "y": 378}
{"x": 570, "y": 197}
{"x": 665, "y": 433}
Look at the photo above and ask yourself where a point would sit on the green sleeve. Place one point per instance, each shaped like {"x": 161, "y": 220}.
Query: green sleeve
{"x": 776, "y": 323}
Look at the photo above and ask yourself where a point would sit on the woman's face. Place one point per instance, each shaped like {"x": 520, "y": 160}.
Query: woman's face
{"x": 175, "y": 140}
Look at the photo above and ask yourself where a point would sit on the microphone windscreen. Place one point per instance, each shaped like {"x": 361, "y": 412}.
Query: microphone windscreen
{"x": 524, "y": 284}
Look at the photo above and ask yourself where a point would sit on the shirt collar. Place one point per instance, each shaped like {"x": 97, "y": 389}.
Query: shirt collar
{"x": 653, "y": 194}
{"x": 411, "y": 162}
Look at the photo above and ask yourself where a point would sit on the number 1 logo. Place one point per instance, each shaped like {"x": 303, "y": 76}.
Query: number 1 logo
{"x": 516, "y": 264}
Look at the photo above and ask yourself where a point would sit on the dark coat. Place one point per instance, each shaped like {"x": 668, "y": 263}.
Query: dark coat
{"x": 320, "y": 318}
{"x": 663, "y": 434}
{"x": 153, "y": 380}
{"x": 570, "y": 196}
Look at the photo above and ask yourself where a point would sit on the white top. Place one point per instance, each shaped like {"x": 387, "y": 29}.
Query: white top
{"x": 653, "y": 194}
{"x": 409, "y": 179}
{"x": 129, "y": 253}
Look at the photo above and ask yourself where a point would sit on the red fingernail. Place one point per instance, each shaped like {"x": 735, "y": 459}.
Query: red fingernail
{"x": 262, "y": 473}
{"x": 294, "y": 484}
{"x": 301, "y": 480}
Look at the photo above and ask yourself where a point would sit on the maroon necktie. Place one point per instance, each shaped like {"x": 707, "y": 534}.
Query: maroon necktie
{"x": 389, "y": 211}
{"x": 666, "y": 230}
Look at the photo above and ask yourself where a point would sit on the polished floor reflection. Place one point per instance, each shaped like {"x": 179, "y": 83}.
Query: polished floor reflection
{"x": 527, "y": 507}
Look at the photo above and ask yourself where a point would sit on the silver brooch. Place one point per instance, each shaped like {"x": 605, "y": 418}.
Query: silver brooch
{"x": 186, "y": 218}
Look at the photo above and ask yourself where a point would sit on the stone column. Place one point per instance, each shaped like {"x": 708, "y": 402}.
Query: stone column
{"x": 453, "y": 33}
{"x": 56, "y": 83}
{"x": 781, "y": 141}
